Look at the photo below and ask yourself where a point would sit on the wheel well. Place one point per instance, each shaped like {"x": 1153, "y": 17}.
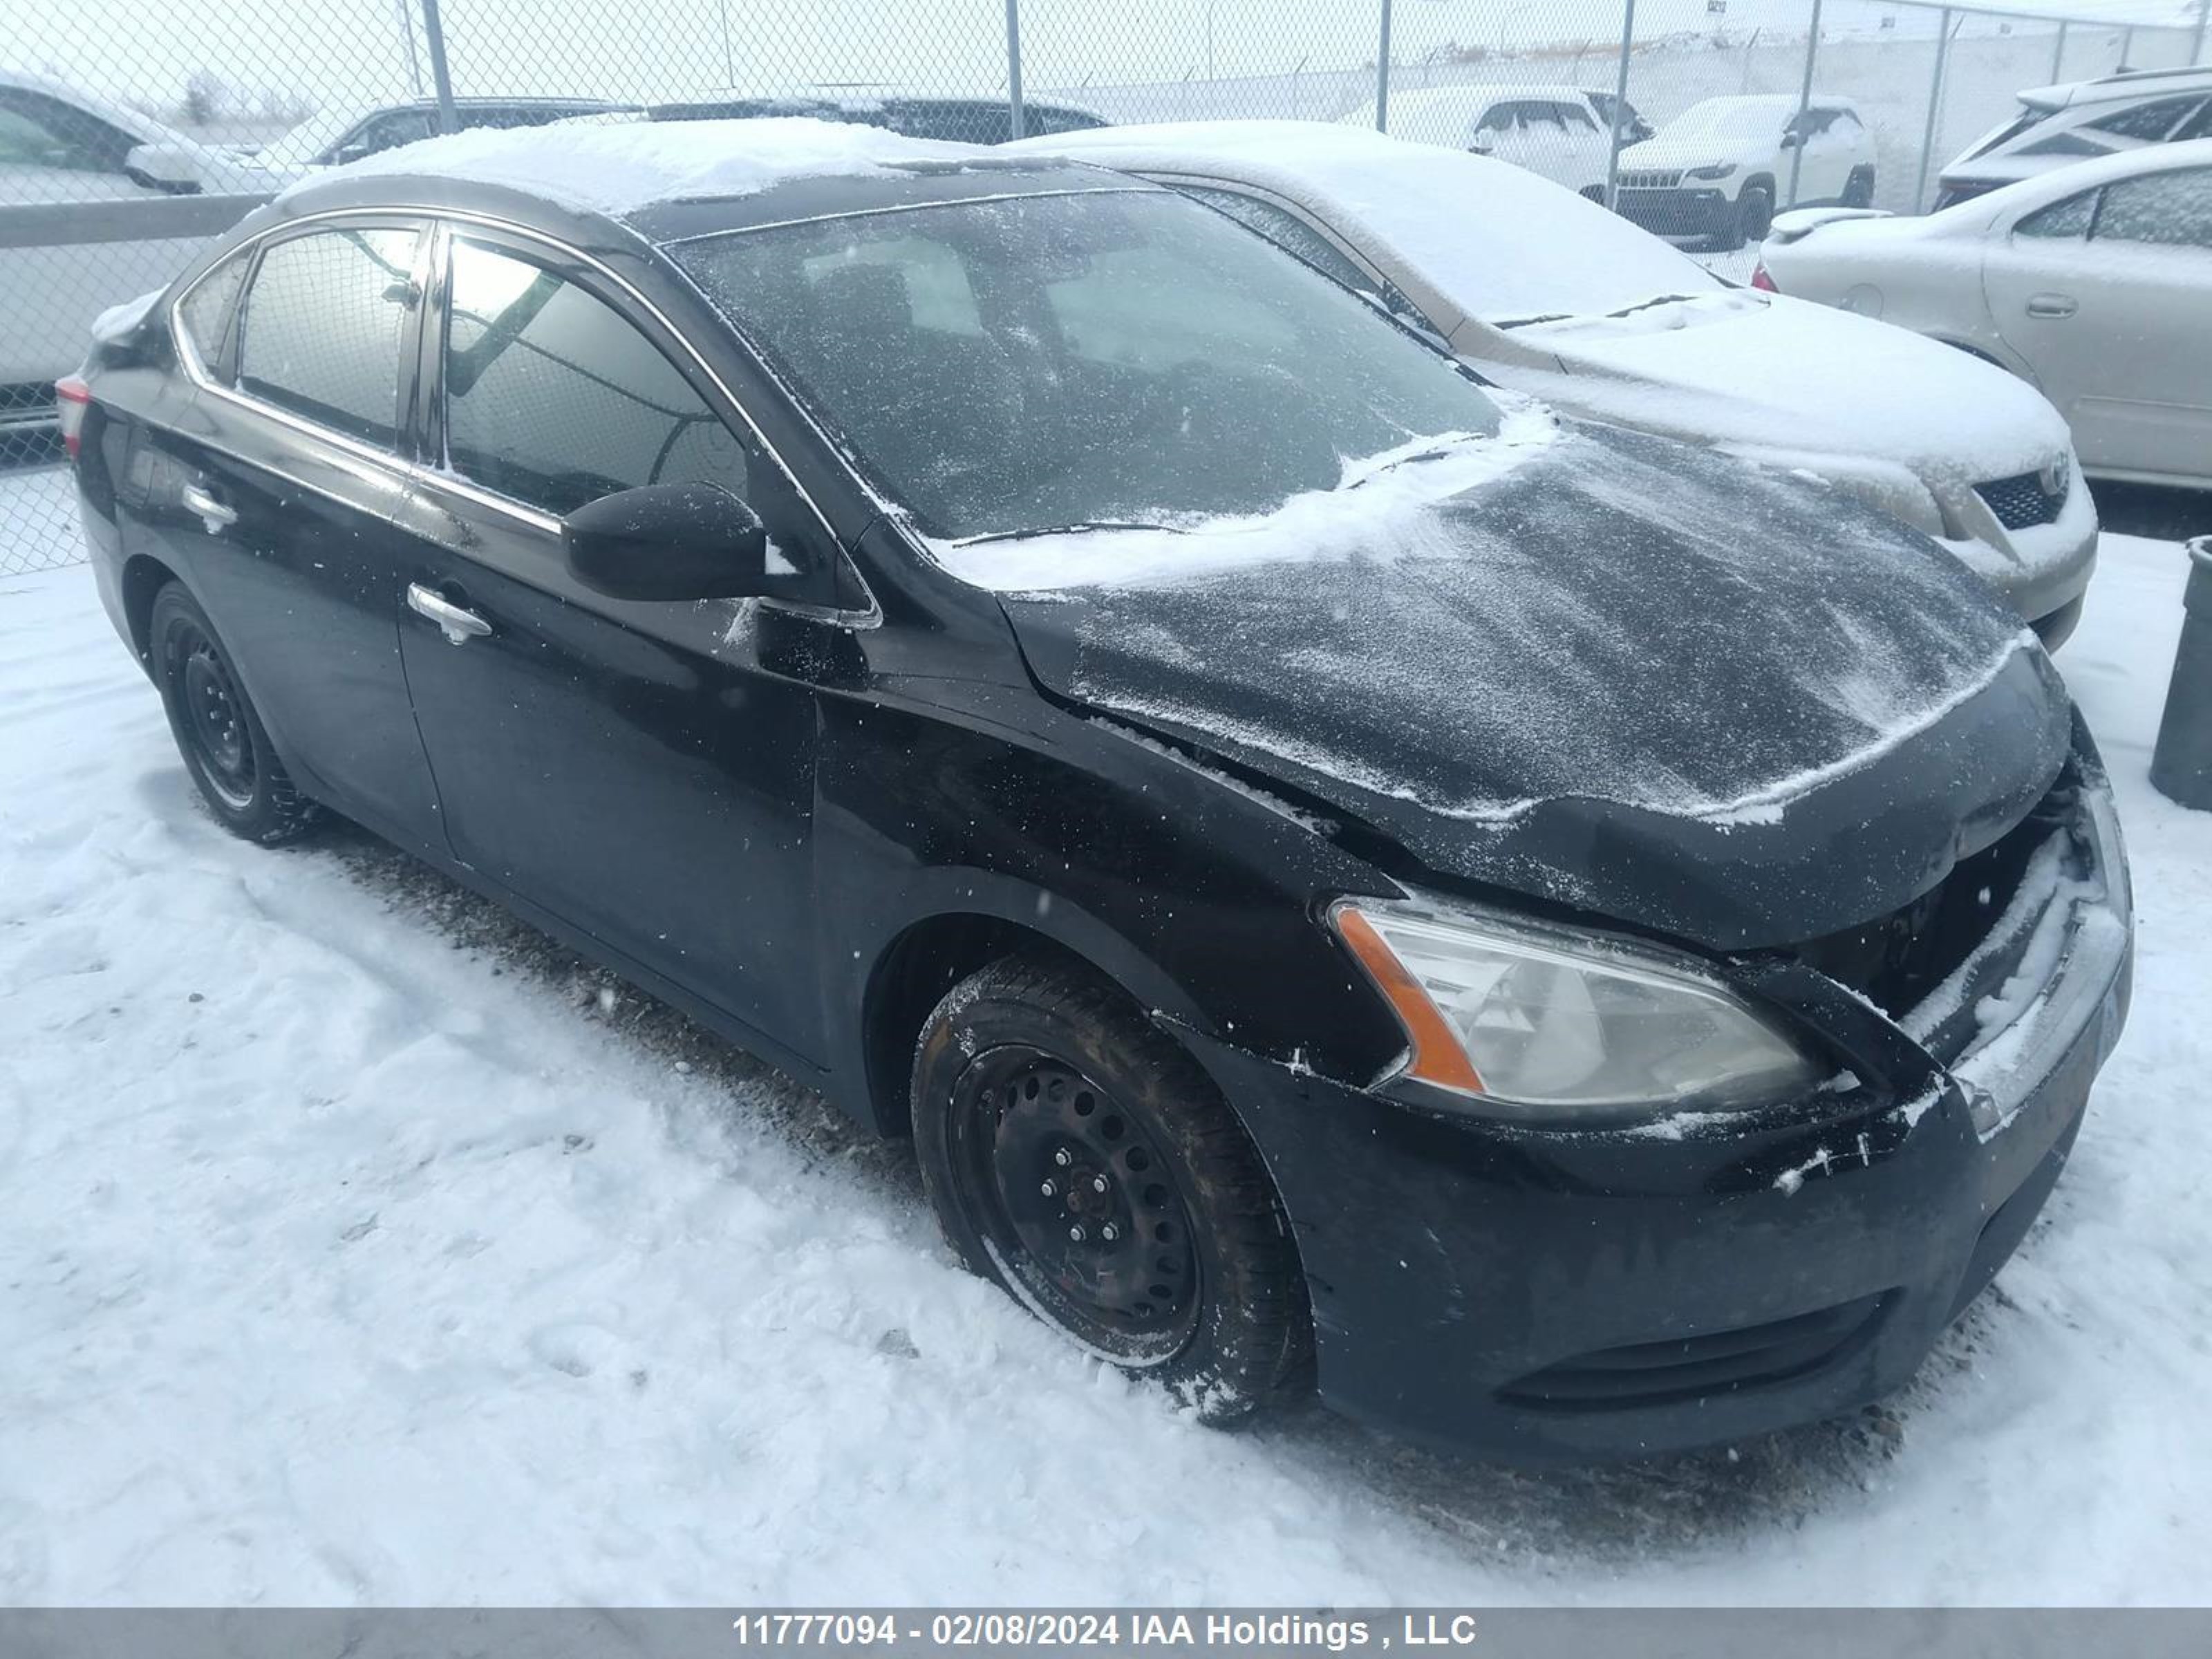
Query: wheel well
{"x": 143, "y": 578}
{"x": 1758, "y": 181}
{"x": 911, "y": 978}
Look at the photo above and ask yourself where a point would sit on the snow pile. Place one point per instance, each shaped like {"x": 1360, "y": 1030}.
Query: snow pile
{"x": 616, "y": 167}
{"x": 1381, "y": 505}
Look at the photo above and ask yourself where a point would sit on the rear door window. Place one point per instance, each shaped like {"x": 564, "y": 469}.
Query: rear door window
{"x": 553, "y": 398}
{"x": 322, "y": 328}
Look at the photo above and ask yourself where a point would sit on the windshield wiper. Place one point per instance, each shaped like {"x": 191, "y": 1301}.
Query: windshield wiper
{"x": 1646, "y": 305}
{"x": 1079, "y": 527}
{"x": 1546, "y": 317}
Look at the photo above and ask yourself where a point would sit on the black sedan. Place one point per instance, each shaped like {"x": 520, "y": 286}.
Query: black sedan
{"x": 1570, "y": 945}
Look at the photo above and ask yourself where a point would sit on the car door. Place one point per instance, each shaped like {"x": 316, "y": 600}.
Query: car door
{"x": 1588, "y": 145}
{"x": 53, "y": 153}
{"x": 2107, "y": 296}
{"x": 274, "y": 499}
{"x": 643, "y": 771}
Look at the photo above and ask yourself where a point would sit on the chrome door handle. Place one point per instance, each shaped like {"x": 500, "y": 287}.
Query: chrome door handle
{"x": 198, "y": 498}
{"x": 458, "y": 625}
{"x": 2051, "y": 305}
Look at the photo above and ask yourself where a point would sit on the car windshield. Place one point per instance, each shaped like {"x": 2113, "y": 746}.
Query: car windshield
{"x": 1733, "y": 120}
{"x": 1092, "y": 357}
{"x": 306, "y": 144}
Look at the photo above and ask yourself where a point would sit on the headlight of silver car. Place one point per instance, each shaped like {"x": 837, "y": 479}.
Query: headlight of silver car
{"x": 1548, "y": 1024}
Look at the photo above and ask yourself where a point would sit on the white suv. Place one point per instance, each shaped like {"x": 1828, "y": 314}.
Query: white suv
{"x": 1555, "y": 132}
{"x": 2057, "y": 126}
{"x": 1718, "y": 171}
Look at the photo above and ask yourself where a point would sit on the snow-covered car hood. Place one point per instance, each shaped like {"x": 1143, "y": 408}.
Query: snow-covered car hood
{"x": 1663, "y": 153}
{"x": 1623, "y": 675}
{"x": 1774, "y": 373}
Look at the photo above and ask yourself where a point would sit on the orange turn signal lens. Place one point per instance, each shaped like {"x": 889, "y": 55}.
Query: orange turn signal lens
{"x": 1437, "y": 1056}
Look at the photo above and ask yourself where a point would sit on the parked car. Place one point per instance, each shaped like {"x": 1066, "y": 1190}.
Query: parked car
{"x": 955, "y": 120}
{"x": 349, "y": 132}
{"x": 61, "y": 143}
{"x": 1550, "y": 294}
{"x": 1634, "y": 129}
{"x": 2093, "y": 283}
{"x": 1555, "y": 132}
{"x": 2056, "y": 126}
{"x": 1577, "y": 944}
{"x": 1716, "y": 172}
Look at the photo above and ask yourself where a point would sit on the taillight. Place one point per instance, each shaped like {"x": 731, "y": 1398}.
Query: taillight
{"x": 1760, "y": 280}
{"x": 72, "y": 397}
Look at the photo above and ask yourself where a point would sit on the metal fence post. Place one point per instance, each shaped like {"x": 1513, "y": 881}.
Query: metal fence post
{"x": 1804, "y": 102}
{"x": 407, "y": 36}
{"x": 1935, "y": 106}
{"x": 1619, "y": 103}
{"x": 434, "y": 40}
{"x": 1016, "y": 116}
{"x": 1382, "y": 74}
{"x": 2058, "y": 54}
{"x": 2203, "y": 22}
{"x": 2127, "y": 45}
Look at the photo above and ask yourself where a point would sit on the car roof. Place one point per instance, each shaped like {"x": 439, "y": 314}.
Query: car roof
{"x": 2127, "y": 86}
{"x": 666, "y": 182}
{"x": 137, "y": 123}
{"x": 2087, "y": 173}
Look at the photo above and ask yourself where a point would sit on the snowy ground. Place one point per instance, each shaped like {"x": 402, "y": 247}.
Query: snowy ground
{"x": 359, "y": 1246}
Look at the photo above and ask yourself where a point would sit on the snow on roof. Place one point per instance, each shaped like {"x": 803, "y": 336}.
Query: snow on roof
{"x": 617, "y": 165}
{"x": 1488, "y": 239}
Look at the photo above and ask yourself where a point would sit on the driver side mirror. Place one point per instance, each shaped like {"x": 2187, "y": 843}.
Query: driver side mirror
{"x": 1484, "y": 142}
{"x": 1791, "y": 139}
{"x": 162, "y": 167}
{"x": 679, "y": 541}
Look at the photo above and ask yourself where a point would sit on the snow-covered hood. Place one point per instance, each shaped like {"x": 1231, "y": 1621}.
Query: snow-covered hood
{"x": 1628, "y": 675}
{"x": 1678, "y": 154}
{"x": 1775, "y": 373}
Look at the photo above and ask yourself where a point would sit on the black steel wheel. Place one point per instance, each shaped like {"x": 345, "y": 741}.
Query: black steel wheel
{"x": 224, "y": 745}
{"x": 1083, "y": 1161}
{"x": 1858, "y": 190}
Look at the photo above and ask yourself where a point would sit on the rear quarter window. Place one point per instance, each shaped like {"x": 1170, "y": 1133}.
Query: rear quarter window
{"x": 322, "y": 330}
{"x": 204, "y": 318}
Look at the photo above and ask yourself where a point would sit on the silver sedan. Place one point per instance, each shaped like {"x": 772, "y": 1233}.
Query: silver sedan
{"x": 2093, "y": 283}
{"x": 1545, "y": 293}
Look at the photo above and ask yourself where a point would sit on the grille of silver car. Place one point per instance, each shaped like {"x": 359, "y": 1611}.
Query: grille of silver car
{"x": 2022, "y": 502}
{"x": 1648, "y": 179}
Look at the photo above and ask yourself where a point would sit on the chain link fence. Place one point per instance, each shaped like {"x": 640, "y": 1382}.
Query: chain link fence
{"x": 132, "y": 131}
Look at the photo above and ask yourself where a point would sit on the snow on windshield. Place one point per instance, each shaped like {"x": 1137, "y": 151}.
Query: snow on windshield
{"x": 1379, "y": 505}
{"x": 1731, "y": 120}
{"x": 616, "y": 167}
{"x": 1496, "y": 240}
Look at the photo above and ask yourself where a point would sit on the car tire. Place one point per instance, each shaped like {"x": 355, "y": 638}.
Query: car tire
{"x": 1858, "y": 189}
{"x": 1080, "y": 1159}
{"x": 218, "y": 731}
{"x": 1755, "y": 214}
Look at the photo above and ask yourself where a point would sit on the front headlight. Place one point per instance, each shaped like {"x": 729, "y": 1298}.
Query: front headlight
{"x": 1717, "y": 170}
{"x": 1548, "y": 1024}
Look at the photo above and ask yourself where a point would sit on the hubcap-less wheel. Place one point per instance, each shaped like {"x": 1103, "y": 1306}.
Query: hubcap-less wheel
{"x": 1076, "y": 1203}
{"x": 213, "y": 719}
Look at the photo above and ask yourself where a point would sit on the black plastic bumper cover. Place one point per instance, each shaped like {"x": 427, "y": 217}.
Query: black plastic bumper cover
{"x": 1539, "y": 1296}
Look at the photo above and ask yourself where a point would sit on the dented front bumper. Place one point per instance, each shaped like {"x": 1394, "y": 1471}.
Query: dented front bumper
{"x": 1541, "y": 1295}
